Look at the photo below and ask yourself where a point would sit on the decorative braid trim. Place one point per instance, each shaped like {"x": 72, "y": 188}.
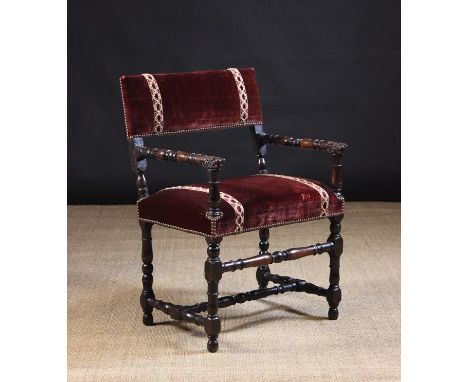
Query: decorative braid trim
{"x": 238, "y": 210}
{"x": 244, "y": 102}
{"x": 157, "y": 102}
{"x": 233, "y": 202}
{"x": 324, "y": 198}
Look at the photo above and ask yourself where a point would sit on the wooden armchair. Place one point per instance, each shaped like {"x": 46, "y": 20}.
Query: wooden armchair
{"x": 158, "y": 104}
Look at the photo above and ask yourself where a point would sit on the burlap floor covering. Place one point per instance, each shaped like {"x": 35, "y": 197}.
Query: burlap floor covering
{"x": 280, "y": 338}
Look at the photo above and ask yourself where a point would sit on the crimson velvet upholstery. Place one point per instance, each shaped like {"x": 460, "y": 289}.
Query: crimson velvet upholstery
{"x": 190, "y": 101}
{"x": 265, "y": 200}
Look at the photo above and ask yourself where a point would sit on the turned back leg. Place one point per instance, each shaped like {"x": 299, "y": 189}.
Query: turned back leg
{"x": 147, "y": 268}
{"x": 334, "y": 291}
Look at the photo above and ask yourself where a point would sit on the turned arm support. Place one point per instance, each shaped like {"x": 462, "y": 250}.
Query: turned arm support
{"x": 214, "y": 212}
{"x": 212, "y": 163}
{"x": 140, "y": 153}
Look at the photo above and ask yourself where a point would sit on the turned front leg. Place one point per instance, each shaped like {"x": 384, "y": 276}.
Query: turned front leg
{"x": 264, "y": 234}
{"x": 147, "y": 268}
{"x": 213, "y": 273}
{"x": 334, "y": 291}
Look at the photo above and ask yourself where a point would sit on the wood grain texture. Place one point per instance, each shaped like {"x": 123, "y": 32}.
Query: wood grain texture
{"x": 264, "y": 235}
{"x": 265, "y": 258}
{"x": 334, "y": 291}
{"x": 331, "y": 147}
{"x": 183, "y": 157}
{"x": 147, "y": 269}
{"x": 213, "y": 273}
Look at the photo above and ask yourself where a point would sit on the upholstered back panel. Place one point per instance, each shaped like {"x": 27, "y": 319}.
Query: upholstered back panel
{"x": 157, "y": 104}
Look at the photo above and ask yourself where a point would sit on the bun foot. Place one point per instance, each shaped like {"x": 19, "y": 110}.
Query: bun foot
{"x": 148, "y": 319}
{"x": 333, "y": 313}
{"x": 212, "y": 345}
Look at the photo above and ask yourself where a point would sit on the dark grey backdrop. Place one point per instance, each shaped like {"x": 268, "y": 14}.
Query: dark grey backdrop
{"x": 325, "y": 69}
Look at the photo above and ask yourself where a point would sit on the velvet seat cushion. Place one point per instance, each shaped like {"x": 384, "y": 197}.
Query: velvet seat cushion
{"x": 247, "y": 203}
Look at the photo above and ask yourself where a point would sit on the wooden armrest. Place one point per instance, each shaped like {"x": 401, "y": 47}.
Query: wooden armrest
{"x": 333, "y": 148}
{"x": 207, "y": 161}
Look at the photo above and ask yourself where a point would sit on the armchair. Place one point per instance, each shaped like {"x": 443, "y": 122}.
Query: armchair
{"x": 158, "y": 104}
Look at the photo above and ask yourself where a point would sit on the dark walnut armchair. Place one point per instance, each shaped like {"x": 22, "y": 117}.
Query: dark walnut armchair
{"x": 158, "y": 104}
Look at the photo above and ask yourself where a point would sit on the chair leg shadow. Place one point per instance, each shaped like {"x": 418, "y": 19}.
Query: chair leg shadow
{"x": 272, "y": 306}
